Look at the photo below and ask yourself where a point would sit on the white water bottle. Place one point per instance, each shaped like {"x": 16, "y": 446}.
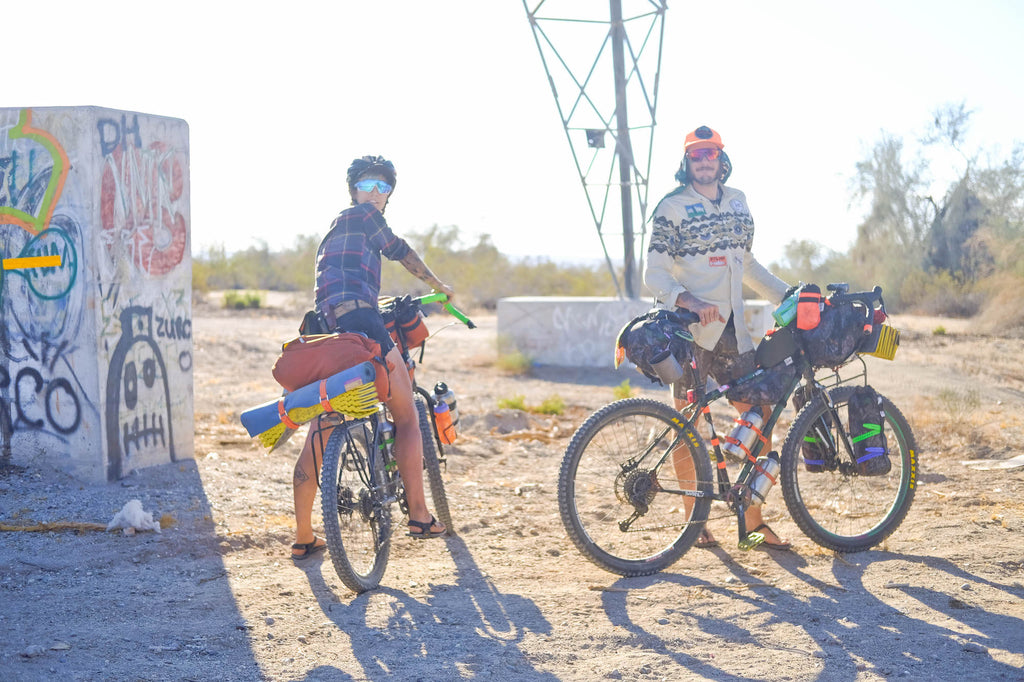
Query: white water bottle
{"x": 766, "y": 472}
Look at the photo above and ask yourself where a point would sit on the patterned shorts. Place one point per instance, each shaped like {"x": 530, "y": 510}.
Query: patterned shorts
{"x": 723, "y": 364}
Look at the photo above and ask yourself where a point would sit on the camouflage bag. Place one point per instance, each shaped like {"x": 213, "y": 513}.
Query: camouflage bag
{"x": 837, "y": 336}
{"x": 658, "y": 343}
{"x": 768, "y": 387}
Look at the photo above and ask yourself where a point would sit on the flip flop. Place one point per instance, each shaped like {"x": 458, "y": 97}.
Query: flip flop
{"x": 425, "y": 532}
{"x": 309, "y": 549}
{"x": 705, "y": 541}
{"x": 778, "y": 546}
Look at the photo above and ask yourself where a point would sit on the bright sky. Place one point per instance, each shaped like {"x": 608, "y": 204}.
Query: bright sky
{"x": 279, "y": 99}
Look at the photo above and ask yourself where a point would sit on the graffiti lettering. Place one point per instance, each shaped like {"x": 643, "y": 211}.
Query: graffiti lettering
{"x": 45, "y": 196}
{"x": 143, "y": 203}
{"x": 176, "y": 328}
{"x": 26, "y": 405}
{"x": 112, "y": 134}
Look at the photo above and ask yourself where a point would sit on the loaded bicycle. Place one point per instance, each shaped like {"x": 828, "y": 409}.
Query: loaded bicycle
{"x": 359, "y": 478}
{"x": 638, "y": 480}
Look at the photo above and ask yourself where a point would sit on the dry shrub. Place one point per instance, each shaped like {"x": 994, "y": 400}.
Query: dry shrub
{"x": 1004, "y": 311}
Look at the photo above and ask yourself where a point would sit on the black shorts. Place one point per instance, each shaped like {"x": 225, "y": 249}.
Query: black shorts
{"x": 724, "y": 364}
{"x": 369, "y": 322}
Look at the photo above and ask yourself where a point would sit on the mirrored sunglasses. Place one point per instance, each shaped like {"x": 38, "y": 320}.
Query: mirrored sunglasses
{"x": 370, "y": 185}
{"x": 702, "y": 154}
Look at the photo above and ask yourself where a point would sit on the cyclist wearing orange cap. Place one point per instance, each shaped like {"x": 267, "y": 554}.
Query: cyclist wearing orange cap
{"x": 699, "y": 259}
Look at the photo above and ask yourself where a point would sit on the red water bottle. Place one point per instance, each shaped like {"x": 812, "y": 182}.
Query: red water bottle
{"x": 443, "y": 419}
{"x": 808, "y": 307}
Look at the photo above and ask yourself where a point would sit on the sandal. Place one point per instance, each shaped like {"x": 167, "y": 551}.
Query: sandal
{"x": 309, "y": 549}
{"x": 705, "y": 541}
{"x": 425, "y": 531}
{"x": 781, "y": 546}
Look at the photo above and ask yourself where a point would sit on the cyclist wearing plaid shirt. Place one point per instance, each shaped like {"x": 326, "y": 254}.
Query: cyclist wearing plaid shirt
{"x": 699, "y": 258}
{"x": 348, "y": 273}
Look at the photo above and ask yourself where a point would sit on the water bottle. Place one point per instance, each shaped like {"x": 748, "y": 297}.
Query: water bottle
{"x": 667, "y": 367}
{"x": 387, "y": 436}
{"x": 747, "y": 430}
{"x": 766, "y": 472}
{"x": 443, "y": 394}
{"x": 443, "y": 419}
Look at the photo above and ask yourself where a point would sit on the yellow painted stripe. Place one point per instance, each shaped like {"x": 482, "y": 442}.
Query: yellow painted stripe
{"x": 32, "y": 262}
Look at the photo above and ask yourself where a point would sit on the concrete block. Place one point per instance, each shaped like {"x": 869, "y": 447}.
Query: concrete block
{"x": 580, "y": 331}
{"x": 96, "y": 341}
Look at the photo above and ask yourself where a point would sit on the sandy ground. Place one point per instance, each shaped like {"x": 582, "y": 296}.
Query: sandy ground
{"x": 214, "y": 595}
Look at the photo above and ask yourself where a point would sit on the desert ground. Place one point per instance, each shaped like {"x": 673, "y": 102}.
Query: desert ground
{"x": 214, "y": 594}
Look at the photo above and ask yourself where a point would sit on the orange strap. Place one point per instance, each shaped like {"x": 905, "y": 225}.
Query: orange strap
{"x": 324, "y": 401}
{"x": 285, "y": 419}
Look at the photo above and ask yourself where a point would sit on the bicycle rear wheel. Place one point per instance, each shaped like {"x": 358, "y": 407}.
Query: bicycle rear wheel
{"x": 432, "y": 465}
{"x": 834, "y": 506}
{"x": 622, "y": 482}
{"x": 356, "y": 510}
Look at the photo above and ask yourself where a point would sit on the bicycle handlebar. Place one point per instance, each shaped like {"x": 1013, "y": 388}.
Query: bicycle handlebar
{"x": 868, "y": 298}
{"x": 439, "y": 297}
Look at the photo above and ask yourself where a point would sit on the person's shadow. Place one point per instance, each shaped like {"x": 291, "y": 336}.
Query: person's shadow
{"x": 466, "y": 631}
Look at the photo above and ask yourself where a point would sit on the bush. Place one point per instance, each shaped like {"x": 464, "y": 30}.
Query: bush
{"x": 240, "y": 300}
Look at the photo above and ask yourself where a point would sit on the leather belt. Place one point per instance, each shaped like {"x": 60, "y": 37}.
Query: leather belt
{"x": 348, "y": 306}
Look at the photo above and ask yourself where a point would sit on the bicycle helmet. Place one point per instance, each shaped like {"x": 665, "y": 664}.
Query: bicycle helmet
{"x": 370, "y": 165}
{"x": 649, "y": 339}
{"x": 702, "y": 138}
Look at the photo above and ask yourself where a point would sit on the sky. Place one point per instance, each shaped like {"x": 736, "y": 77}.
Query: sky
{"x": 279, "y": 101}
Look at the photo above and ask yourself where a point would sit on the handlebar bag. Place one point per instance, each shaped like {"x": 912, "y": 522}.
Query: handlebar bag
{"x": 838, "y": 334}
{"x": 307, "y": 359}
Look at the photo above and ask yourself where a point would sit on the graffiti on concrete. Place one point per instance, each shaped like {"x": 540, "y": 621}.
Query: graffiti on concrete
{"x": 38, "y": 189}
{"x": 142, "y": 198}
{"x": 138, "y": 396}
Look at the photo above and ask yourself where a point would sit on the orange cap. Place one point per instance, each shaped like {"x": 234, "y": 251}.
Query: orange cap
{"x": 703, "y": 138}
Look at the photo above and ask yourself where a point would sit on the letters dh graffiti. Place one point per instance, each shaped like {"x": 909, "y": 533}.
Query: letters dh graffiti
{"x": 142, "y": 198}
{"x": 138, "y": 396}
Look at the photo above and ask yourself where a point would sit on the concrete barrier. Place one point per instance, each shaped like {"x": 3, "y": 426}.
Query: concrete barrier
{"x": 580, "y": 331}
{"x": 96, "y": 340}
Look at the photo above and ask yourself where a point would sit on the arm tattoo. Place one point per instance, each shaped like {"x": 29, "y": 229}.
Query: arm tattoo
{"x": 415, "y": 265}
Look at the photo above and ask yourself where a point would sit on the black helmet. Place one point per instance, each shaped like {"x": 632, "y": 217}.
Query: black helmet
{"x": 648, "y": 339}
{"x": 370, "y": 165}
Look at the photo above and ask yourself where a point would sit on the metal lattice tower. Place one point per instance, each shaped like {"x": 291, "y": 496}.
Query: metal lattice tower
{"x": 593, "y": 97}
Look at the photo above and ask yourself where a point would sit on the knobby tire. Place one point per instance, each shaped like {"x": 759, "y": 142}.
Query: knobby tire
{"x": 611, "y": 473}
{"x": 432, "y": 465}
{"x": 838, "y": 508}
{"x": 356, "y": 513}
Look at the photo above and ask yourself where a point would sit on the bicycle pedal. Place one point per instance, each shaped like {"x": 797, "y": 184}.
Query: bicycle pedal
{"x": 751, "y": 541}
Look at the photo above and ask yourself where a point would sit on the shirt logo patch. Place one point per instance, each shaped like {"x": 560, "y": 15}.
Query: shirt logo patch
{"x": 716, "y": 261}
{"x": 694, "y": 210}
{"x": 736, "y": 204}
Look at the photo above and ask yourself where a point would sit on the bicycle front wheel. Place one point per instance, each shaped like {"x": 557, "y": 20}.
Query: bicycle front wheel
{"x": 834, "y": 505}
{"x": 356, "y": 510}
{"x": 432, "y": 465}
{"x": 635, "y": 487}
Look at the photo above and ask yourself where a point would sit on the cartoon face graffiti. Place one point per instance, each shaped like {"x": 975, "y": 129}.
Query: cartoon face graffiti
{"x": 138, "y": 398}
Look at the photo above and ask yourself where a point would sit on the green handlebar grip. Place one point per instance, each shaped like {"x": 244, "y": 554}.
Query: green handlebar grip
{"x": 457, "y": 314}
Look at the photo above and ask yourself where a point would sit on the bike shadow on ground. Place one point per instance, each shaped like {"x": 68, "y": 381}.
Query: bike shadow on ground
{"x": 463, "y": 631}
{"x": 849, "y": 625}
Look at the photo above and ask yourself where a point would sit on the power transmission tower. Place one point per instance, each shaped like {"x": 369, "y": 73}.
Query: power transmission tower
{"x": 594, "y": 97}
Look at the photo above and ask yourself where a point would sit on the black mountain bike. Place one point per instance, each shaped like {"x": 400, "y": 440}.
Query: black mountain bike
{"x": 359, "y": 480}
{"x": 637, "y": 480}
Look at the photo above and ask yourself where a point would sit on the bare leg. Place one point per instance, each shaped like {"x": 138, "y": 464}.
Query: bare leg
{"x": 753, "y": 516}
{"x": 409, "y": 447}
{"x": 304, "y": 490}
{"x": 685, "y": 472}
